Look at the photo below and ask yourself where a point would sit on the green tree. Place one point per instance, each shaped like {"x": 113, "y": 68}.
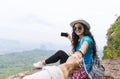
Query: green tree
{"x": 112, "y": 49}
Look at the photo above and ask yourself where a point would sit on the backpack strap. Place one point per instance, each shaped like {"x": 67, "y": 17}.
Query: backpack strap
{"x": 86, "y": 69}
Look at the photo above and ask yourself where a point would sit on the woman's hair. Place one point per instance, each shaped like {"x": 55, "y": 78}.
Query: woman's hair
{"x": 75, "y": 39}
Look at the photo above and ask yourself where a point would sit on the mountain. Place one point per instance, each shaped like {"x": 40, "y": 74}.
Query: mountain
{"x": 100, "y": 54}
{"x": 10, "y": 46}
{"x": 112, "y": 49}
{"x": 21, "y": 61}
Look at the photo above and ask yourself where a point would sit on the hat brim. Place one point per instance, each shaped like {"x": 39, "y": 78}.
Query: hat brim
{"x": 80, "y": 21}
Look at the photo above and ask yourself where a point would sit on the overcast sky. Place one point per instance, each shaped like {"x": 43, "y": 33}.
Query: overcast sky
{"x": 43, "y": 20}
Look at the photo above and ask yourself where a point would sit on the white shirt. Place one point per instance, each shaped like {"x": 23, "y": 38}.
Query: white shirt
{"x": 48, "y": 72}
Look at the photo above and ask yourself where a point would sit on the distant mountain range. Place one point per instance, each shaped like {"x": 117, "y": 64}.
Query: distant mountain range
{"x": 21, "y": 61}
{"x": 10, "y": 46}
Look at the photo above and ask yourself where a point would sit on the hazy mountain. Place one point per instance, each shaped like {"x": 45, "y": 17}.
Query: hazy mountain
{"x": 9, "y": 46}
{"x": 100, "y": 54}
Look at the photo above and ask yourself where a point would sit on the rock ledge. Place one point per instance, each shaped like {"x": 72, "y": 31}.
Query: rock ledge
{"x": 112, "y": 70}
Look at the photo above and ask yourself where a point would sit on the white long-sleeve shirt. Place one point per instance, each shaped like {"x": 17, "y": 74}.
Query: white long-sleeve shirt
{"x": 48, "y": 72}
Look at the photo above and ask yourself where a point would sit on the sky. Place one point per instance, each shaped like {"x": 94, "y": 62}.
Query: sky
{"x": 43, "y": 20}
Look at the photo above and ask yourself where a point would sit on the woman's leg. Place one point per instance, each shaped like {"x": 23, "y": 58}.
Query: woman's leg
{"x": 59, "y": 55}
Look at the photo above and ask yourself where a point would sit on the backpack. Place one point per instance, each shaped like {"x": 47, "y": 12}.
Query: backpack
{"x": 97, "y": 70}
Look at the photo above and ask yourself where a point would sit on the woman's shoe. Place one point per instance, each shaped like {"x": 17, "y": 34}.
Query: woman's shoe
{"x": 38, "y": 64}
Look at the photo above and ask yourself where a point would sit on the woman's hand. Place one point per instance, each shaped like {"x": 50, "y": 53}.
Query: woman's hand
{"x": 72, "y": 64}
{"x": 69, "y": 37}
{"x": 76, "y": 61}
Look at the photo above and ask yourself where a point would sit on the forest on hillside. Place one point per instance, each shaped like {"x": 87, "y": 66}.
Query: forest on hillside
{"x": 112, "y": 49}
{"x": 20, "y": 61}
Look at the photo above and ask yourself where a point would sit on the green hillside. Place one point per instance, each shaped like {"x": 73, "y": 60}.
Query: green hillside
{"x": 18, "y": 62}
{"x": 112, "y": 49}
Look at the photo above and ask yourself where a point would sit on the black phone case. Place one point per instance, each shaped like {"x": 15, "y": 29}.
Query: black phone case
{"x": 64, "y": 34}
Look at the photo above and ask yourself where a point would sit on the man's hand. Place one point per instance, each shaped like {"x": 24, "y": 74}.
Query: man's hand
{"x": 75, "y": 61}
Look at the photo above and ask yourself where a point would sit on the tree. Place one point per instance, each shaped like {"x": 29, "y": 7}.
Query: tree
{"x": 112, "y": 49}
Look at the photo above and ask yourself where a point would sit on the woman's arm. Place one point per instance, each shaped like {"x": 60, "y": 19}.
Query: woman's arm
{"x": 69, "y": 38}
{"x": 74, "y": 61}
{"x": 83, "y": 49}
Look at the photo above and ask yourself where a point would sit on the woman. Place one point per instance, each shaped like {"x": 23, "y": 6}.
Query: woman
{"x": 83, "y": 42}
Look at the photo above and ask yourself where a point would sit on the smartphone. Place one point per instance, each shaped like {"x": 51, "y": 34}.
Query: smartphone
{"x": 64, "y": 34}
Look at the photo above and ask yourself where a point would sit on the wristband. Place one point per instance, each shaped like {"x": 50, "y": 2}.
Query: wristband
{"x": 81, "y": 53}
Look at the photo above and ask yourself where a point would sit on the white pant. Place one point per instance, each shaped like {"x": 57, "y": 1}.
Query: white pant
{"x": 48, "y": 72}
